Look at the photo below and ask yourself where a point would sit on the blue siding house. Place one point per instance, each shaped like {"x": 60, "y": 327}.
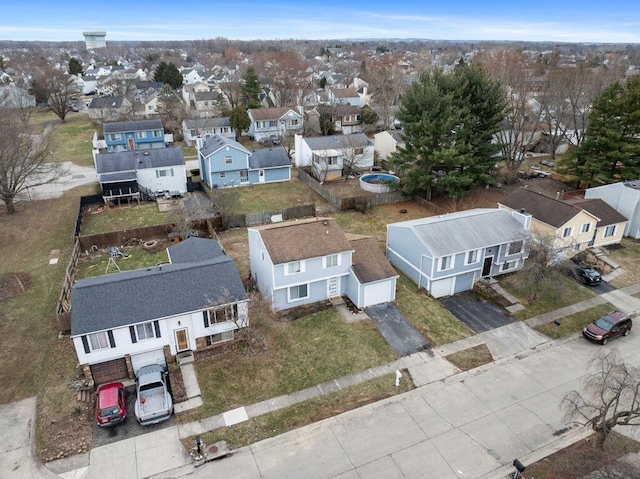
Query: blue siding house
{"x": 225, "y": 162}
{"x": 306, "y": 261}
{"x": 134, "y": 135}
{"x": 447, "y": 254}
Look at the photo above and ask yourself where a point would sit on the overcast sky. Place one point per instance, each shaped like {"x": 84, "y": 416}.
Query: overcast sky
{"x": 612, "y": 21}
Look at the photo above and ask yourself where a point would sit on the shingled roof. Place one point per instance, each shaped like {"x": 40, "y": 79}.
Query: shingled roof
{"x": 269, "y": 113}
{"x": 303, "y": 239}
{"x": 133, "y": 160}
{"x": 598, "y": 208}
{"x": 138, "y": 125}
{"x": 269, "y": 158}
{"x": 369, "y": 264}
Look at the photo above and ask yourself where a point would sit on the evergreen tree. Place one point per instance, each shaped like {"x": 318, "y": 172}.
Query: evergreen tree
{"x": 239, "y": 120}
{"x": 449, "y": 121}
{"x": 75, "y": 66}
{"x": 250, "y": 91}
{"x": 168, "y": 74}
{"x": 610, "y": 151}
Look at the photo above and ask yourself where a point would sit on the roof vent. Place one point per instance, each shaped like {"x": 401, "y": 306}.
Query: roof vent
{"x": 146, "y": 153}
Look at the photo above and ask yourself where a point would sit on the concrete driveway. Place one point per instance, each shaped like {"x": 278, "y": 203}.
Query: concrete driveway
{"x": 396, "y": 329}
{"x": 479, "y": 315}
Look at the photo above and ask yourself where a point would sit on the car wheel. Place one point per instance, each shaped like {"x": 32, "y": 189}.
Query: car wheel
{"x": 626, "y": 333}
{"x": 605, "y": 341}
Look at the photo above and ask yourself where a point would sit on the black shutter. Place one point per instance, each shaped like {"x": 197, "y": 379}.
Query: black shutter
{"x": 112, "y": 341}
{"x": 205, "y": 316}
{"x": 156, "y": 326}
{"x": 85, "y": 343}
{"x": 132, "y": 331}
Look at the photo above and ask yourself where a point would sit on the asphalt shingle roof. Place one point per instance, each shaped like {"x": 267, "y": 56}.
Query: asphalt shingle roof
{"x": 369, "y": 262}
{"x": 338, "y": 142}
{"x": 208, "y": 122}
{"x": 600, "y": 209}
{"x": 124, "y": 126}
{"x": 215, "y": 142}
{"x": 269, "y": 113}
{"x": 193, "y": 250}
{"x": 269, "y": 158}
{"x": 133, "y": 160}
{"x": 107, "y": 102}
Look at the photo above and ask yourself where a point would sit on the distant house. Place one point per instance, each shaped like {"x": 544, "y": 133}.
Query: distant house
{"x": 333, "y": 156}
{"x": 345, "y": 96}
{"x": 387, "y": 142}
{"x": 12, "y": 96}
{"x": 279, "y": 122}
{"x": 207, "y": 103}
{"x": 306, "y": 261}
{"x": 205, "y": 128}
{"x": 346, "y": 119}
{"x": 123, "y": 321}
{"x": 624, "y": 197}
{"x": 134, "y": 135}
{"x": 570, "y": 228}
{"x": 109, "y": 108}
{"x": 127, "y": 174}
{"x": 447, "y": 254}
{"x": 225, "y": 162}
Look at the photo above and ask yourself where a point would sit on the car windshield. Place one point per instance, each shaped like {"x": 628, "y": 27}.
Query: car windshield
{"x": 109, "y": 411}
{"x": 602, "y": 324}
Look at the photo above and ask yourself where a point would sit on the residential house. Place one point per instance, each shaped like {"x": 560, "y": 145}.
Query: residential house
{"x": 189, "y": 91}
{"x": 157, "y": 172}
{"x": 12, "y": 96}
{"x": 387, "y": 142}
{"x": 134, "y": 135}
{"x": 448, "y": 254}
{"x": 207, "y": 103}
{"x": 109, "y": 108}
{"x": 344, "y": 118}
{"x": 567, "y": 228}
{"x": 333, "y": 156}
{"x": 344, "y": 96}
{"x": 193, "y": 129}
{"x": 87, "y": 84}
{"x": 281, "y": 122}
{"x": 123, "y": 321}
{"x": 193, "y": 75}
{"x": 300, "y": 262}
{"x": 624, "y": 197}
{"x": 225, "y": 162}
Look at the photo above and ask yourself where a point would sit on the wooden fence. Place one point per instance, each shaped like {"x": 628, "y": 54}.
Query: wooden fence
{"x": 266, "y": 217}
{"x": 63, "y": 309}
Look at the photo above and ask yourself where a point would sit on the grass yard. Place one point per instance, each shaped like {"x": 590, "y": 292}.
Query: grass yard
{"x": 73, "y": 140}
{"x": 552, "y": 295}
{"x": 124, "y": 217}
{"x": 471, "y": 357}
{"x": 628, "y": 257}
{"x": 575, "y": 322}
{"x": 307, "y": 412}
{"x": 300, "y": 354}
{"x": 139, "y": 257}
{"x": 427, "y": 315}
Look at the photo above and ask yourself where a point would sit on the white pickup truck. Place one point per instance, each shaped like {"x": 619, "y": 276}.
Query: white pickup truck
{"x": 153, "y": 403}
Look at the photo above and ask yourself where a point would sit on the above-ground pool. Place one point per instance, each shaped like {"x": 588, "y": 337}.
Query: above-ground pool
{"x": 378, "y": 182}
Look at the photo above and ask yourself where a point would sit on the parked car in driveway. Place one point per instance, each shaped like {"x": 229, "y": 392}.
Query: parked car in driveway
{"x": 153, "y": 401}
{"x": 111, "y": 405}
{"x": 608, "y": 327}
{"x": 587, "y": 275}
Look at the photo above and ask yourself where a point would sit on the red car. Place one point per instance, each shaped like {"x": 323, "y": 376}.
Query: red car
{"x": 608, "y": 327}
{"x": 111, "y": 405}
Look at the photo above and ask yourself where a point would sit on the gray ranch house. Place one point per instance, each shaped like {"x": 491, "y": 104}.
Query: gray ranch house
{"x": 624, "y": 197}
{"x": 447, "y": 254}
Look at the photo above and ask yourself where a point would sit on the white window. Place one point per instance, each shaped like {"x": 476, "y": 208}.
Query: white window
{"x": 140, "y": 134}
{"x": 99, "y": 341}
{"x": 567, "y": 232}
{"x": 332, "y": 160}
{"x": 472, "y": 257}
{"x": 298, "y": 292}
{"x": 222, "y": 314}
{"x": 609, "y": 231}
{"x": 228, "y": 160}
{"x": 509, "y": 265}
{"x": 359, "y": 151}
{"x": 115, "y": 136}
{"x": 222, "y": 174}
{"x": 157, "y": 133}
{"x": 192, "y": 132}
{"x": 515, "y": 247}
{"x": 294, "y": 267}
{"x": 145, "y": 331}
{"x": 163, "y": 173}
{"x": 577, "y": 247}
{"x": 585, "y": 228}
{"x": 446, "y": 262}
{"x": 219, "y": 338}
{"x": 331, "y": 260}
{"x": 244, "y": 176}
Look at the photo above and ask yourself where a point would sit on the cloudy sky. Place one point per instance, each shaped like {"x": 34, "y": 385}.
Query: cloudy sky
{"x": 612, "y": 21}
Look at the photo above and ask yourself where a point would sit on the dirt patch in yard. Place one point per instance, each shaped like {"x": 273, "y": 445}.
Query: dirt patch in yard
{"x": 14, "y": 284}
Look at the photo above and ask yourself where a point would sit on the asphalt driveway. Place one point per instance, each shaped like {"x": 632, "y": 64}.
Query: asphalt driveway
{"x": 396, "y": 329}
{"x": 479, "y": 315}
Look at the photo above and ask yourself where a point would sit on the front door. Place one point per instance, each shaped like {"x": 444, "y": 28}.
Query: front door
{"x": 333, "y": 289}
{"x": 486, "y": 267}
{"x": 182, "y": 340}
{"x": 261, "y": 176}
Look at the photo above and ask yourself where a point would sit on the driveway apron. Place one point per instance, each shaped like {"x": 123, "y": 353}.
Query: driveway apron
{"x": 396, "y": 329}
{"x": 477, "y": 314}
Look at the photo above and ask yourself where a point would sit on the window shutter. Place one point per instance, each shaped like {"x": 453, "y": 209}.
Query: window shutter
{"x": 156, "y": 326}
{"x": 132, "y": 331}
{"x": 205, "y": 316}
{"x": 112, "y": 341}
{"x": 209, "y": 343}
{"x": 157, "y": 174}
{"x": 85, "y": 343}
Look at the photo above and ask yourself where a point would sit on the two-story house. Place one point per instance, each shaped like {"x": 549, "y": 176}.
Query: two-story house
{"x": 385, "y": 143}
{"x": 345, "y": 96}
{"x": 225, "y": 162}
{"x": 109, "y": 108}
{"x": 192, "y": 129}
{"x": 300, "y": 262}
{"x": 123, "y": 321}
{"x": 624, "y": 197}
{"x": 346, "y": 119}
{"x": 447, "y": 254}
{"x": 278, "y": 122}
{"x": 334, "y": 156}
{"x": 134, "y": 135}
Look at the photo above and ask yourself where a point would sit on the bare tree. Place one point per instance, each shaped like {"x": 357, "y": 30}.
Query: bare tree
{"x": 226, "y": 202}
{"x": 286, "y": 73}
{"x": 610, "y": 397}
{"x": 353, "y": 159}
{"x": 25, "y": 156}
{"x": 386, "y": 84}
{"x": 171, "y": 110}
{"x": 58, "y": 87}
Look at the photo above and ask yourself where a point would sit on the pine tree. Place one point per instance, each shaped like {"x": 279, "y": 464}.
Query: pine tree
{"x": 250, "y": 94}
{"x": 75, "y": 66}
{"x": 239, "y": 120}
{"x": 169, "y": 74}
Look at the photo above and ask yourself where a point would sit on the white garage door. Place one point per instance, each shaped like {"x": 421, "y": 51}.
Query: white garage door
{"x": 144, "y": 359}
{"x": 442, "y": 287}
{"x": 376, "y": 294}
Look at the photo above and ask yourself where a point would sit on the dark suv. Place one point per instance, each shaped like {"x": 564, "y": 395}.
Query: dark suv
{"x": 608, "y": 327}
{"x": 586, "y": 275}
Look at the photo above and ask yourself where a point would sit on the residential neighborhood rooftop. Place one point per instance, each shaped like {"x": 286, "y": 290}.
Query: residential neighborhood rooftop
{"x": 132, "y": 160}
{"x": 269, "y": 158}
{"x": 139, "y": 125}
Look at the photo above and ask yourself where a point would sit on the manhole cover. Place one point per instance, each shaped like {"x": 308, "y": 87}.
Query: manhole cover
{"x": 213, "y": 449}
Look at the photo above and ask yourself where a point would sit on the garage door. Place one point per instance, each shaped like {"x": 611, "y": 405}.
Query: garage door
{"x": 442, "y": 287}
{"x": 150, "y": 357}
{"x": 376, "y": 294}
{"x": 464, "y": 282}
{"x": 109, "y": 371}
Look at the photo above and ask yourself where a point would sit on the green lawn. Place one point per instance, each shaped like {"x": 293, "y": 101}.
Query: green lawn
{"x": 300, "y": 354}
{"x": 124, "y": 217}
{"x": 575, "y": 322}
{"x": 139, "y": 257}
{"x": 73, "y": 140}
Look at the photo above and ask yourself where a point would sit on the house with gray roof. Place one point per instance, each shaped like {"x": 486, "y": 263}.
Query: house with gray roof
{"x": 192, "y": 129}
{"x": 134, "y": 135}
{"x": 447, "y": 254}
{"x": 109, "y": 108}
{"x": 123, "y": 174}
{"x": 123, "y": 321}
{"x": 279, "y": 122}
{"x": 225, "y": 162}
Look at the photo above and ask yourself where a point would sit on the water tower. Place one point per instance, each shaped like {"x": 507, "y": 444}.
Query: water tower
{"x": 95, "y": 40}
